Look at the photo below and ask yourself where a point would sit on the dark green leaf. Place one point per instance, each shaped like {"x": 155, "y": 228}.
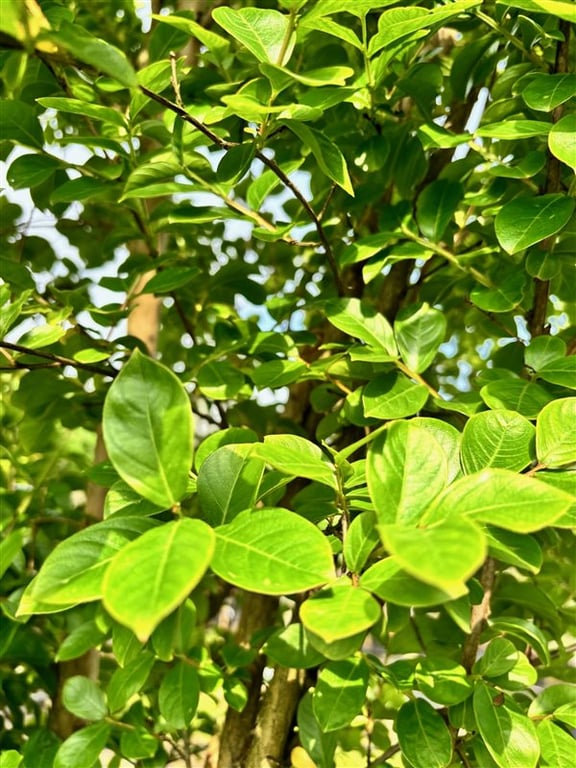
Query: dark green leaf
{"x": 20, "y": 124}
{"x": 423, "y": 735}
{"x": 291, "y": 647}
{"x": 361, "y": 322}
{"x": 82, "y": 749}
{"x": 31, "y": 170}
{"x": 436, "y": 205}
{"x": 178, "y": 695}
{"x": 340, "y": 693}
{"x": 546, "y": 92}
{"x": 327, "y": 154}
{"x": 83, "y": 698}
{"x": 528, "y": 220}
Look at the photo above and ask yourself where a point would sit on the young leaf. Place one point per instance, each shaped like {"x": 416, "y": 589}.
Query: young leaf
{"x": 294, "y": 455}
{"x": 419, "y": 331}
{"x": 84, "y": 698}
{"x": 509, "y": 736}
{"x": 272, "y": 551}
{"x": 151, "y": 576}
{"x": 561, "y": 140}
{"x": 516, "y": 395}
{"x": 74, "y": 571}
{"x": 406, "y": 469}
{"x": 556, "y": 746}
{"x": 340, "y": 693}
{"x": 266, "y": 33}
{"x": 327, "y": 154}
{"x": 356, "y": 609}
{"x": 361, "y": 322}
{"x": 228, "y": 483}
{"x": 502, "y": 498}
{"x": 393, "y": 396}
{"x": 514, "y": 129}
{"x": 528, "y": 220}
{"x": 423, "y": 735}
{"x": 555, "y": 433}
{"x": 360, "y": 540}
{"x": 147, "y": 426}
{"x": 178, "y": 695}
{"x": 444, "y": 555}
{"x": 388, "y": 581}
{"x": 497, "y": 438}
{"x": 82, "y": 749}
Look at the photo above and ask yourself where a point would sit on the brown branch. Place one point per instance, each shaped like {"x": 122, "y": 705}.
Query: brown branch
{"x": 55, "y": 359}
{"x": 480, "y": 614}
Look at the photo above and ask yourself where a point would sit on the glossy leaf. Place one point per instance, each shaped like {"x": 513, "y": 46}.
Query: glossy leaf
{"x": 179, "y": 694}
{"x": 525, "y": 221}
{"x": 543, "y": 350}
{"x": 406, "y": 469}
{"x": 525, "y": 631}
{"x": 20, "y": 124}
{"x": 561, "y": 371}
{"x": 389, "y": 582}
{"x": 546, "y": 92}
{"x": 327, "y": 154}
{"x": 129, "y": 680}
{"x": 515, "y": 549}
{"x": 294, "y": 455}
{"x": 509, "y": 736}
{"x": 419, "y": 331}
{"x": 220, "y": 380}
{"x": 552, "y": 698}
{"x": 356, "y": 609}
{"x": 423, "y": 735}
{"x": 228, "y": 483}
{"x": 122, "y": 500}
{"x": 393, "y": 396}
{"x": 272, "y": 551}
{"x": 506, "y": 294}
{"x": 340, "y": 693}
{"x": 360, "y": 540}
{"x": 74, "y": 571}
{"x": 443, "y": 555}
{"x": 555, "y": 440}
{"x": 561, "y": 140}
{"x": 92, "y": 111}
{"x": 361, "y": 322}
{"x": 516, "y": 395}
{"x": 502, "y": 498}
{"x": 321, "y": 746}
{"x": 82, "y": 749}
{"x": 291, "y": 647}
{"x": 499, "y": 657}
{"x": 497, "y": 438}
{"x": 514, "y": 129}
{"x": 443, "y": 680}
{"x": 151, "y": 576}
{"x": 147, "y": 426}
{"x": 84, "y": 698}
{"x": 556, "y": 746}
{"x": 263, "y": 32}
{"x": 558, "y": 8}
{"x": 31, "y": 170}
{"x": 436, "y": 206}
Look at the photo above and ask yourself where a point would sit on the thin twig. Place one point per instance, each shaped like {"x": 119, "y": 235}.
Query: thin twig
{"x": 480, "y": 614}
{"x": 57, "y": 359}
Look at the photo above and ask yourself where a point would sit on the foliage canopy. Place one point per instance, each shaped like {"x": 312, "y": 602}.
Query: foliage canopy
{"x": 287, "y": 308}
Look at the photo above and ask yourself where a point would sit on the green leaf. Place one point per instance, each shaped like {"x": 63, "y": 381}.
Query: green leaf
{"x": 232, "y": 435}
{"x": 509, "y": 736}
{"x": 31, "y": 170}
{"x": 77, "y": 107}
{"x": 340, "y": 693}
{"x": 443, "y": 680}
{"x": 278, "y": 373}
{"x": 280, "y": 77}
{"x": 179, "y": 694}
{"x": 557, "y": 746}
{"x": 388, "y": 581}
{"x": 122, "y": 500}
{"x": 423, "y": 735}
{"x": 561, "y": 140}
{"x": 393, "y": 396}
{"x": 502, "y": 297}
{"x": 220, "y": 380}
{"x": 499, "y": 657}
{"x": 546, "y": 92}
{"x": 214, "y": 42}
{"x": 406, "y": 469}
{"x": 266, "y": 33}
{"x": 525, "y": 631}
{"x": 361, "y": 322}
{"x": 272, "y": 551}
{"x": 497, "y": 438}
{"x": 10, "y": 758}
{"x": 82, "y": 749}
{"x": 290, "y": 647}
{"x": 83, "y": 698}
{"x": 80, "y": 640}
{"x": 73, "y": 572}
{"x": 543, "y": 350}
{"x": 356, "y": 609}
{"x": 514, "y": 548}
{"x": 444, "y": 555}
{"x": 327, "y": 154}
{"x": 42, "y": 336}
{"x": 555, "y": 443}
{"x": 362, "y": 249}
{"x": 228, "y": 483}
{"x": 20, "y": 124}
{"x": 129, "y": 680}
{"x": 552, "y": 698}
{"x": 93, "y": 51}
{"x": 514, "y": 129}
{"x": 10, "y": 546}
{"x": 419, "y": 330}
{"x": 360, "y": 540}
{"x": 436, "y": 206}
{"x": 294, "y": 455}
{"x": 151, "y": 576}
{"x": 561, "y": 371}
{"x": 320, "y": 746}
{"x": 558, "y": 8}
{"x": 528, "y": 220}
{"x": 170, "y": 279}
{"x": 147, "y": 425}
{"x": 516, "y": 395}
{"x": 502, "y": 498}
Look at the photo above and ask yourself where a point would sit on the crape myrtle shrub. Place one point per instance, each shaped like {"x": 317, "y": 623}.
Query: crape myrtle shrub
{"x": 288, "y": 366}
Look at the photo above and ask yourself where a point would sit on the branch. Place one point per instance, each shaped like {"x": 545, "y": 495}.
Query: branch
{"x": 274, "y": 167}
{"x": 480, "y": 614}
{"x": 56, "y": 360}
